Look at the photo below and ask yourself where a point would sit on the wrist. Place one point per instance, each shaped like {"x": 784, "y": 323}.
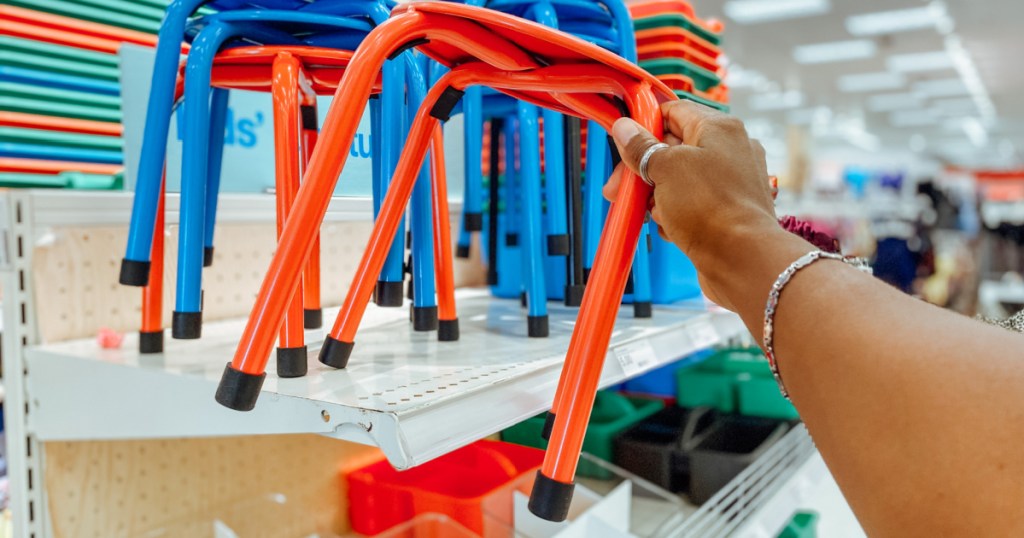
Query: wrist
{"x": 742, "y": 267}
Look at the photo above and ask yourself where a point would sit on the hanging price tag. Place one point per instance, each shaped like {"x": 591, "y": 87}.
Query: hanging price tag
{"x": 636, "y": 357}
{"x": 703, "y": 334}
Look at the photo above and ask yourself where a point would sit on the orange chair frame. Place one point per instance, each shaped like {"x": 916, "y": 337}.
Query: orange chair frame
{"x": 522, "y": 59}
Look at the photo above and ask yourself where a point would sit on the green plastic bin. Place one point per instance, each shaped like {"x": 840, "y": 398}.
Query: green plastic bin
{"x": 802, "y": 525}
{"x": 612, "y": 414}
{"x": 734, "y": 381}
{"x": 703, "y": 79}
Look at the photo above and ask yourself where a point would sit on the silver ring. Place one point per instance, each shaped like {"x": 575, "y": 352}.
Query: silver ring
{"x": 646, "y": 159}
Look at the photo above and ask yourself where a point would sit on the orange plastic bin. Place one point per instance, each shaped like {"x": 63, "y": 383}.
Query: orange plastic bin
{"x": 472, "y": 485}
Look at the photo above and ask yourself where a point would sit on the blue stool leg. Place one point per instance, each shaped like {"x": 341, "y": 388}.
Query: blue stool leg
{"x": 472, "y": 195}
{"x": 556, "y": 223}
{"x": 187, "y": 317}
{"x": 596, "y": 174}
{"x": 424, "y": 310}
{"x": 218, "y": 120}
{"x": 642, "y": 276}
{"x": 532, "y": 240}
{"x": 135, "y": 265}
{"x": 511, "y": 274}
{"x": 389, "y": 284}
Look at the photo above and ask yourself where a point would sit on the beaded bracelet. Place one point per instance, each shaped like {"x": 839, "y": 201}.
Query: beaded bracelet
{"x": 773, "y": 303}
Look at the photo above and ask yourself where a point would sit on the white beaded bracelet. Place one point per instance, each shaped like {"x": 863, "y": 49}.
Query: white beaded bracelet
{"x": 773, "y": 303}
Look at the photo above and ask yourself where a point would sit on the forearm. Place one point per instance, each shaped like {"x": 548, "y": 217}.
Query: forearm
{"x": 888, "y": 389}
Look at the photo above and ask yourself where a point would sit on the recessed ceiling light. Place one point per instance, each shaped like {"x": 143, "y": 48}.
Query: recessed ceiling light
{"x": 835, "y": 52}
{"x": 898, "y": 20}
{"x": 912, "y": 118}
{"x": 886, "y": 102}
{"x": 942, "y": 87}
{"x": 756, "y": 11}
{"x": 921, "y": 61}
{"x": 777, "y": 101}
{"x": 869, "y": 82}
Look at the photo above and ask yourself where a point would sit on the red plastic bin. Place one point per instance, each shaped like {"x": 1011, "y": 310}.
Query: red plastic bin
{"x": 472, "y": 485}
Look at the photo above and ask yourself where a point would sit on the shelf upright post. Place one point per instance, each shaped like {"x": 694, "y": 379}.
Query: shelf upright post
{"x": 24, "y": 452}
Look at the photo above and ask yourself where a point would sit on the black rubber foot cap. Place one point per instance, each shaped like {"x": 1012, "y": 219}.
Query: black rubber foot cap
{"x": 239, "y": 390}
{"x": 312, "y": 319}
{"x": 335, "y": 353}
{"x": 151, "y": 342}
{"x": 492, "y": 277}
{"x": 424, "y": 318}
{"x": 642, "y": 309}
{"x": 462, "y": 251}
{"x": 134, "y": 273}
{"x": 292, "y": 361}
{"x": 574, "y": 295}
{"x": 558, "y": 245}
{"x": 390, "y": 293}
{"x": 511, "y": 240}
{"x": 474, "y": 222}
{"x": 537, "y": 326}
{"x": 207, "y": 256}
{"x": 549, "y": 424}
{"x": 448, "y": 330}
{"x": 550, "y": 499}
{"x": 186, "y": 325}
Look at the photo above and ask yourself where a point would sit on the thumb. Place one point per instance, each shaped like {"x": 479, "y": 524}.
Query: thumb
{"x": 632, "y": 141}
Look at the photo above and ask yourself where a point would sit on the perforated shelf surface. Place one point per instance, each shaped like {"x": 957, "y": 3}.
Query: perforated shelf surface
{"x": 414, "y": 397}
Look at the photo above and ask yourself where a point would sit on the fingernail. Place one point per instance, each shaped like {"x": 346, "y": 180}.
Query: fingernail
{"x": 624, "y": 129}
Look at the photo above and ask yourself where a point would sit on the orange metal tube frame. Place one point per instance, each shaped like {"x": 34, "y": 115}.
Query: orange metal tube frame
{"x": 153, "y": 293}
{"x": 286, "y": 158}
{"x": 592, "y": 333}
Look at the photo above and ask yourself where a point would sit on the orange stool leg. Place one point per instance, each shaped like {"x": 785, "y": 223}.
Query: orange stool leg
{"x": 577, "y": 388}
{"x": 313, "y": 316}
{"x": 151, "y": 334}
{"x": 448, "y": 320}
{"x": 338, "y": 345}
{"x": 243, "y": 377}
{"x": 291, "y": 351}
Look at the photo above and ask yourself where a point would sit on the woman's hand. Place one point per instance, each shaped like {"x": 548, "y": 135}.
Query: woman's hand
{"x": 712, "y": 196}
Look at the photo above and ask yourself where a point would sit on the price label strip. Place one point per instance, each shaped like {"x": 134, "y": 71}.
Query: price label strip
{"x": 703, "y": 334}
{"x": 636, "y": 357}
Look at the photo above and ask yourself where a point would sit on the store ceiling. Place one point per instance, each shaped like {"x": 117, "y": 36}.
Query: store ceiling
{"x": 952, "y": 128}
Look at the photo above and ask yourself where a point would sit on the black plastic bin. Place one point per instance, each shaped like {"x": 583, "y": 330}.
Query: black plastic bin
{"x": 657, "y": 448}
{"x": 732, "y": 443}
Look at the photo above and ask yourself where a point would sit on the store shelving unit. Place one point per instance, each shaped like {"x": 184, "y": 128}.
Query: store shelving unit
{"x": 413, "y": 397}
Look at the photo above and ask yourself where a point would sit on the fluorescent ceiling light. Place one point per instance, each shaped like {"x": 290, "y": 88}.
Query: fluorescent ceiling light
{"x": 888, "y": 102}
{"x": 912, "y": 118}
{"x": 756, "y": 11}
{"x": 777, "y": 101}
{"x": 837, "y": 51}
{"x": 898, "y": 20}
{"x": 960, "y": 106}
{"x": 918, "y": 62}
{"x": 945, "y": 87}
{"x": 740, "y": 77}
{"x": 975, "y": 131}
{"x": 869, "y": 82}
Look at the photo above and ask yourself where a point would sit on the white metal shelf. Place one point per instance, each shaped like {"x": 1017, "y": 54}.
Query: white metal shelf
{"x": 57, "y": 207}
{"x": 412, "y": 396}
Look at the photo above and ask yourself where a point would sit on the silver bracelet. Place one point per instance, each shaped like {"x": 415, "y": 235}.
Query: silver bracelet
{"x": 773, "y": 303}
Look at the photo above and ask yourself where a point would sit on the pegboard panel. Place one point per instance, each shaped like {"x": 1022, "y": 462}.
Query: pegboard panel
{"x": 77, "y": 269}
{"x": 280, "y": 486}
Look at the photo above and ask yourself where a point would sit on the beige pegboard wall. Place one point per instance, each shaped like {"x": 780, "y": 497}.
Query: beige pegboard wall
{"x": 77, "y": 293}
{"x": 256, "y": 486}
